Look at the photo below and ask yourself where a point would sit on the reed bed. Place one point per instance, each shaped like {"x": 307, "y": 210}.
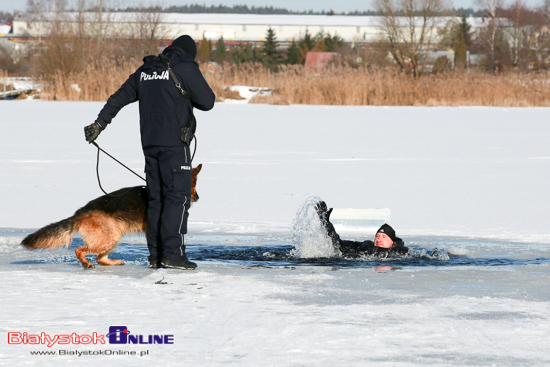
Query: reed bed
{"x": 342, "y": 85}
{"x": 93, "y": 83}
{"x": 339, "y": 85}
{"x": 4, "y": 82}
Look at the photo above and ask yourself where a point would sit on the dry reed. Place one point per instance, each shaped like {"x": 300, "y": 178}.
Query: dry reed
{"x": 4, "y": 84}
{"x": 338, "y": 85}
{"x": 386, "y": 87}
{"x": 94, "y": 83}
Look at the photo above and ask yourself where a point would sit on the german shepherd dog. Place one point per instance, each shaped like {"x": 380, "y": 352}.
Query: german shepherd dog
{"x": 101, "y": 223}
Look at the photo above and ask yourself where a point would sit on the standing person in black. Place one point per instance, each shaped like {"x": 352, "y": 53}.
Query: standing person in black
{"x": 167, "y": 125}
{"x": 385, "y": 244}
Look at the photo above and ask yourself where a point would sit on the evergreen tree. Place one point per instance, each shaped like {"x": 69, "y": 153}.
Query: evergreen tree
{"x": 460, "y": 55}
{"x": 307, "y": 41}
{"x": 220, "y": 53}
{"x": 464, "y": 33}
{"x": 242, "y": 53}
{"x": 458, "y": 36}
{"x": 305, "y": 44}
{"x": 271, "y": 56}
{"x": 205, "y": 50}
{"x": 463, "y": 40}
{"x": 320, "y": 46}
{"x": 292, "y": 53}
{"x": 302, "y": 54}
{"x": 333, "y": 43}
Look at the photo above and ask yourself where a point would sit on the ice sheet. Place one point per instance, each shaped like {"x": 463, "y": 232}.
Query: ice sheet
{"x": 471, "y": 180}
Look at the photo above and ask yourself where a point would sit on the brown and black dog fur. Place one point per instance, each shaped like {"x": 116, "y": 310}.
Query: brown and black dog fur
{"x": 101, "y": 223}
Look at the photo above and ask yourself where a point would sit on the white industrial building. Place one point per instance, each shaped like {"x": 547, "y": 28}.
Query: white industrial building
{"x": 233, "y": 27}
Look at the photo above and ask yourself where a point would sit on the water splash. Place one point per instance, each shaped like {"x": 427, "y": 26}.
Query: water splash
{"x": 309, "y": 237}
{"x": 438, "y": 254}
{"x": 457, "y": 251}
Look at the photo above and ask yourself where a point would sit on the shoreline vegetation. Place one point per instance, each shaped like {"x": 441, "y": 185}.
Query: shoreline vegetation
{"x": 338, "y": 85}
{"x": 506, "y": 66}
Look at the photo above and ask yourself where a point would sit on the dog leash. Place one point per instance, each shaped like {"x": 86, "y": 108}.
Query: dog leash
{"x": 116, "y": 160}
{"x": 123, "y": 165}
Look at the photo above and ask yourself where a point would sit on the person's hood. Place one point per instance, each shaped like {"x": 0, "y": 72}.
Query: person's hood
{"x": 174, "y": 53}
{"x": 177, "y": 53}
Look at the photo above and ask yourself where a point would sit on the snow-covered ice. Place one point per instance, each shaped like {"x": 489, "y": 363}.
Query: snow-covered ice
{"x": 473, "y": 181}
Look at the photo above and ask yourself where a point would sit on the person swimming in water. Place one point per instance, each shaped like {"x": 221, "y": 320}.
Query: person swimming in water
{"x": 385, "y": 244}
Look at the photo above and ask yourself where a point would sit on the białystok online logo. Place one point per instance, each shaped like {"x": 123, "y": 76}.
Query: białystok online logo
{"x": 117, "y": 335}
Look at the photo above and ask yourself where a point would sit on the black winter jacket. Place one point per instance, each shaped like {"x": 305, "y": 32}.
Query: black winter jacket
{"x": 365, "y": 247}
{"x": 163, "y": 110}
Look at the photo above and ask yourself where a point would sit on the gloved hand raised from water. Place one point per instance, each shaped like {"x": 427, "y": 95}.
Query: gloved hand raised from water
{"x": 323, "y": 211}
{"x": 92, "y": 131}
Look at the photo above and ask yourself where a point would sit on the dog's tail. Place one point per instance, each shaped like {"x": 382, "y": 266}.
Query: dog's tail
{"x": 53, "y": 235}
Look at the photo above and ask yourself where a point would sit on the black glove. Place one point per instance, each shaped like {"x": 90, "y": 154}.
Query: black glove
{"x": 323, "y": 211}
{"x": 324, "y": 216}
{"x": 92, "y": 131}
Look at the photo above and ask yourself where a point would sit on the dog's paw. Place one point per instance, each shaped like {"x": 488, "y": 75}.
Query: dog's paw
{"x": 107, "y": 262}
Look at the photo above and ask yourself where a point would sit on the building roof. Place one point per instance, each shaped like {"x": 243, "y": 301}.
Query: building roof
{"x": 241, "y": 19}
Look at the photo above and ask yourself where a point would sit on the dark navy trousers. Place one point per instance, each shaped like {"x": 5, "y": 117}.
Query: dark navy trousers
{"x": 169, "y": 179}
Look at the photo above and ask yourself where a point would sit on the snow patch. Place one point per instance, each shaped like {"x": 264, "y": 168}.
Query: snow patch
{"x": 247, "y": 93}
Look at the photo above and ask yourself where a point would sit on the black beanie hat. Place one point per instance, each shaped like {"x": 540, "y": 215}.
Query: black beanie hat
{"x": 186, "y": 43}
{"x": 388, "y": 230}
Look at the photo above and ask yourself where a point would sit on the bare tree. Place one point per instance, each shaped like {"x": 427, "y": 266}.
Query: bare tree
{"x": 81, "y": 18}
{"x": 60, "y": 54}
{"x": 53, "y": 6}
{"x": 36, "y": 10}
{"x": 102, "y": 20}
{"x": 543, "y": 36}
{"x": 491, "y": 8}
{"x": 522, "y": 30}
{"x": 410, "y": 29}
{"x": 96, "y": 19}
{"x": 148, "y": 28}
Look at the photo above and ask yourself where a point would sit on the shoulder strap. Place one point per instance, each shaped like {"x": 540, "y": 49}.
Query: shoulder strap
{"x": 166, "y": 61}
{"x": 187, "y": 132}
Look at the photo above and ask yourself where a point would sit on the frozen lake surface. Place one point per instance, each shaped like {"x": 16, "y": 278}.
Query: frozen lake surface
{"x": 470, "y": 182}
{"x": 251, "y": 302}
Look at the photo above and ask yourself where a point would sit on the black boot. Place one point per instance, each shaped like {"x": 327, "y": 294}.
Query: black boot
{"x": 178, "y": 264}
{"x": 153, "y": 262}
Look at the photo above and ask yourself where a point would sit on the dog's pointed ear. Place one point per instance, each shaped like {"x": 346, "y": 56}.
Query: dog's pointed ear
{"x": 197, "y": 169}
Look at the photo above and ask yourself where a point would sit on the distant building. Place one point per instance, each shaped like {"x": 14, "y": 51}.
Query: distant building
{"x": 233, "y": 27}
{"x": 319, "y": 61}
{"x": 5, "y": 27}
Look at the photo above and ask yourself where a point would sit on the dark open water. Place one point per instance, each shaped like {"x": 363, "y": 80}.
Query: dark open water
{"x": 278, "y": 252}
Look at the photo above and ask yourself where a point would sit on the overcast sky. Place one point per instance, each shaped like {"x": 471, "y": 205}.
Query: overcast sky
{"x": 299, "y": 5}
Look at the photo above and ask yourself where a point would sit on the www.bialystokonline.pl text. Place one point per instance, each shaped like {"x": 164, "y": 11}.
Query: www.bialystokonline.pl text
{"x": 107, "y": 352}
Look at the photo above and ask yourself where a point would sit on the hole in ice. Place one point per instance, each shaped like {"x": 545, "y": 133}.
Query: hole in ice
{"x": 307, "y": 245}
